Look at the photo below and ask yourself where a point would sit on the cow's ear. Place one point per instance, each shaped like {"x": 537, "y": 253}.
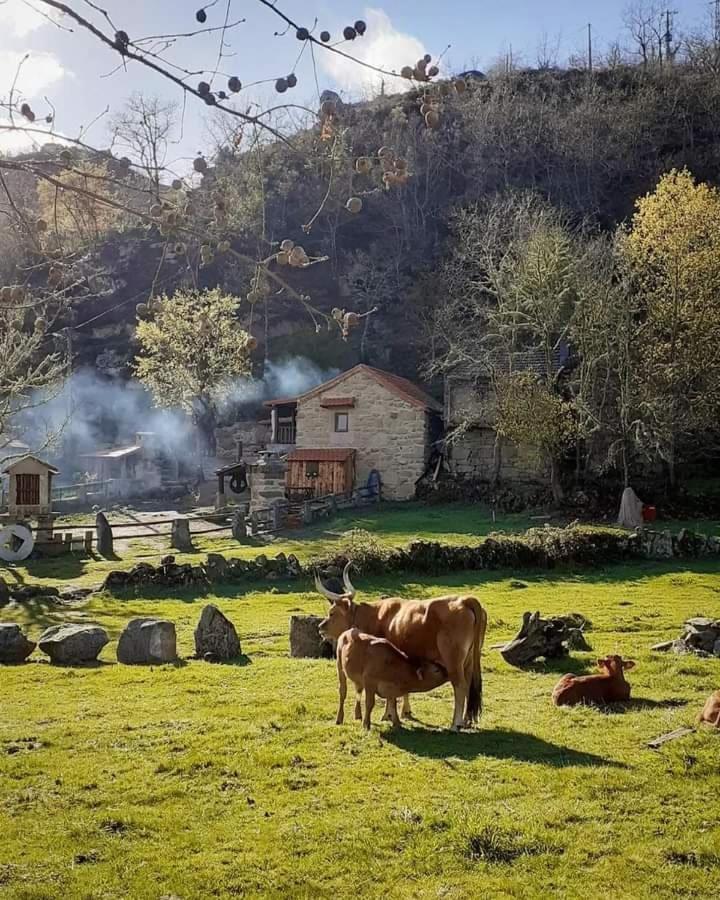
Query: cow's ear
{"x": 629, "y": 664}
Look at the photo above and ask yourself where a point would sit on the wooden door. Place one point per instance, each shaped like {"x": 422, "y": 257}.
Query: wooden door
{"x": 28, "y": 490}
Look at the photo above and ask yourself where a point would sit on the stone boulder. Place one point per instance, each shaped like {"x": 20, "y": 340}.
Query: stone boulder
{"x": 216, "y": 567}
{"x": 14, "y": 646}
{"x": 306, "y": 642}
{"x": 69, "y": 645}
{"x": 147, "y": 641}
{"x": 25, "y": 592}
{"x": 215, "y": 637}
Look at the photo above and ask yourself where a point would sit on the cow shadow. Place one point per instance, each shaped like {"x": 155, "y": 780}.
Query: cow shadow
{"x": 639, "y": 703}
{"x": 494, "y": 743}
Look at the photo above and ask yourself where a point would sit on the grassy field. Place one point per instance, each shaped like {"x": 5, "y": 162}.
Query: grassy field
{"x": 200, "y": 780}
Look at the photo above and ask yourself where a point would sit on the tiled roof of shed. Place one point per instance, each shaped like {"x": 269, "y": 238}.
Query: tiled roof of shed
{"x": 340, "y": 454}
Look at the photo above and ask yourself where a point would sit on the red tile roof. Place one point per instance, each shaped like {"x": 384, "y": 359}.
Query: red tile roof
{"x": 405, "y": 388}
{"x": 401, "y": 387}
{"x": 340, "y": 454}
{"x": 332, "y": 402}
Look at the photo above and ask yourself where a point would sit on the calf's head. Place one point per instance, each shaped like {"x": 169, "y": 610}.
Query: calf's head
{"x": 431, "y": 675}
{"x": 615, "y": 665}
{"x": 342, "y": 607}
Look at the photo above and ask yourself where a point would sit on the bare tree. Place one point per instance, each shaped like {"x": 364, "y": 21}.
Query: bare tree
{"x": 645, "y": 25}
{"x": 143, "y": 130}
{"x": 548, "y": 51}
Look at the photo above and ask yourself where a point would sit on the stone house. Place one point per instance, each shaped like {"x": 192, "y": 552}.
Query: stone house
{"x": 361, "y": 422}
{"x": 469, "y": 414}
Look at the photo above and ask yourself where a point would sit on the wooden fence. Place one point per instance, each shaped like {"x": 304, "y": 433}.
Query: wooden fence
{"x": 282, "y": 516}
{"x": 289, "y": 514}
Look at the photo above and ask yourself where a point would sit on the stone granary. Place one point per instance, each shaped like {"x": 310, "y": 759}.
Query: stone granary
{"x": 363, "y": 421}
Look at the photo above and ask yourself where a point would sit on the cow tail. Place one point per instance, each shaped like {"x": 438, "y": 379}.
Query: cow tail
{"x": 475, "y": 691}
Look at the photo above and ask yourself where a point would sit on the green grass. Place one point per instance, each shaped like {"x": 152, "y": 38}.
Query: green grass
{"x": 202, "y": 781}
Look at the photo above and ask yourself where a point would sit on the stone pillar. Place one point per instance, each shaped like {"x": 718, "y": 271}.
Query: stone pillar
{"x": 307, "y": 513}
{"x": 239, "y": 525}
{"x": 220, "y": 499}
{"x": 180, "y": 536}
{"x": 44, "y": 531}
{"x": 267, "y": 483}
{"x": 104, "y": 536}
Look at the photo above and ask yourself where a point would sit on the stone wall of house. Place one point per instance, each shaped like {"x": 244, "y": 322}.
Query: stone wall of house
{"x": 389, "y": 434}
{"x": 472, "y": 456}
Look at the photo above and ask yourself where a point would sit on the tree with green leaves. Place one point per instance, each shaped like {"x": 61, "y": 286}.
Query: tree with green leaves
{"x": 672, "y": 255}
{"x": 192, "y": 351}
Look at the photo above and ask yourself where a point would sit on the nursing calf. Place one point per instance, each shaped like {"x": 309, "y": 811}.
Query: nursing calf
{"x": 607, "y": 687}
{"x": 376, "y": 667}
{"x": 448, "y": 631}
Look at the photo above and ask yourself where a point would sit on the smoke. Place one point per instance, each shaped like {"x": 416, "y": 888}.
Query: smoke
{"x": 93, "y": 412}
{"x": 287, "y": 378}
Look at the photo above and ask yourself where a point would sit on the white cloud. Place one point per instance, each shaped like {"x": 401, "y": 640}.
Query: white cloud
{"x": 383, "y": 46}
{"x": 36, "y": 74}
{"x": 18, "y": 18}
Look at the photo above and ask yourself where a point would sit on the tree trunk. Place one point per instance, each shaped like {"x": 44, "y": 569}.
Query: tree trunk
{"x": 497, "y": 462}
{"x": 555, "y": 484}
{"x": 205, "y": 420}
{"x": 626, "y": 469}
{"x": 544, "y": 637}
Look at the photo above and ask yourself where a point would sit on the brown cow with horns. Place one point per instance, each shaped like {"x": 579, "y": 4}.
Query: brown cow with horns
{"x": 448, "y": 631}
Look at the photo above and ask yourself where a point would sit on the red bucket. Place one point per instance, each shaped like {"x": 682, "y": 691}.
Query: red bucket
{"x": 649, "y": 513}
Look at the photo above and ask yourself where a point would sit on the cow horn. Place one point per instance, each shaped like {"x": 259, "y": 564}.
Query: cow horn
{"x": 346, "y": 581}
{"x": 332, "y": 597}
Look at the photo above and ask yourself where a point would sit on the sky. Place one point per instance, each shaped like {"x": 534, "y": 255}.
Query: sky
{"x": 82, "y": 80}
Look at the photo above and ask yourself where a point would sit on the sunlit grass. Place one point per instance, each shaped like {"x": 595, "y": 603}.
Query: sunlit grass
{"x": 231, "y": 780}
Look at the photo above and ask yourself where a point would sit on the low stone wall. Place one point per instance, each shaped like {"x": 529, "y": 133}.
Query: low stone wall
{"x": 216, "y": 569}
{"x": 538, "y": 548}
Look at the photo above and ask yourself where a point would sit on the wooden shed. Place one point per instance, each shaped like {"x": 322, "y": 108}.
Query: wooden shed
{"x": 317, "y": 473}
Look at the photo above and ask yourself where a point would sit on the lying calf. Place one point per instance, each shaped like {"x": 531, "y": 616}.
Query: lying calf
{"x": 375, "y": 666}
{"x": 711, "y": 710}
{"x": 607, "y": 687}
